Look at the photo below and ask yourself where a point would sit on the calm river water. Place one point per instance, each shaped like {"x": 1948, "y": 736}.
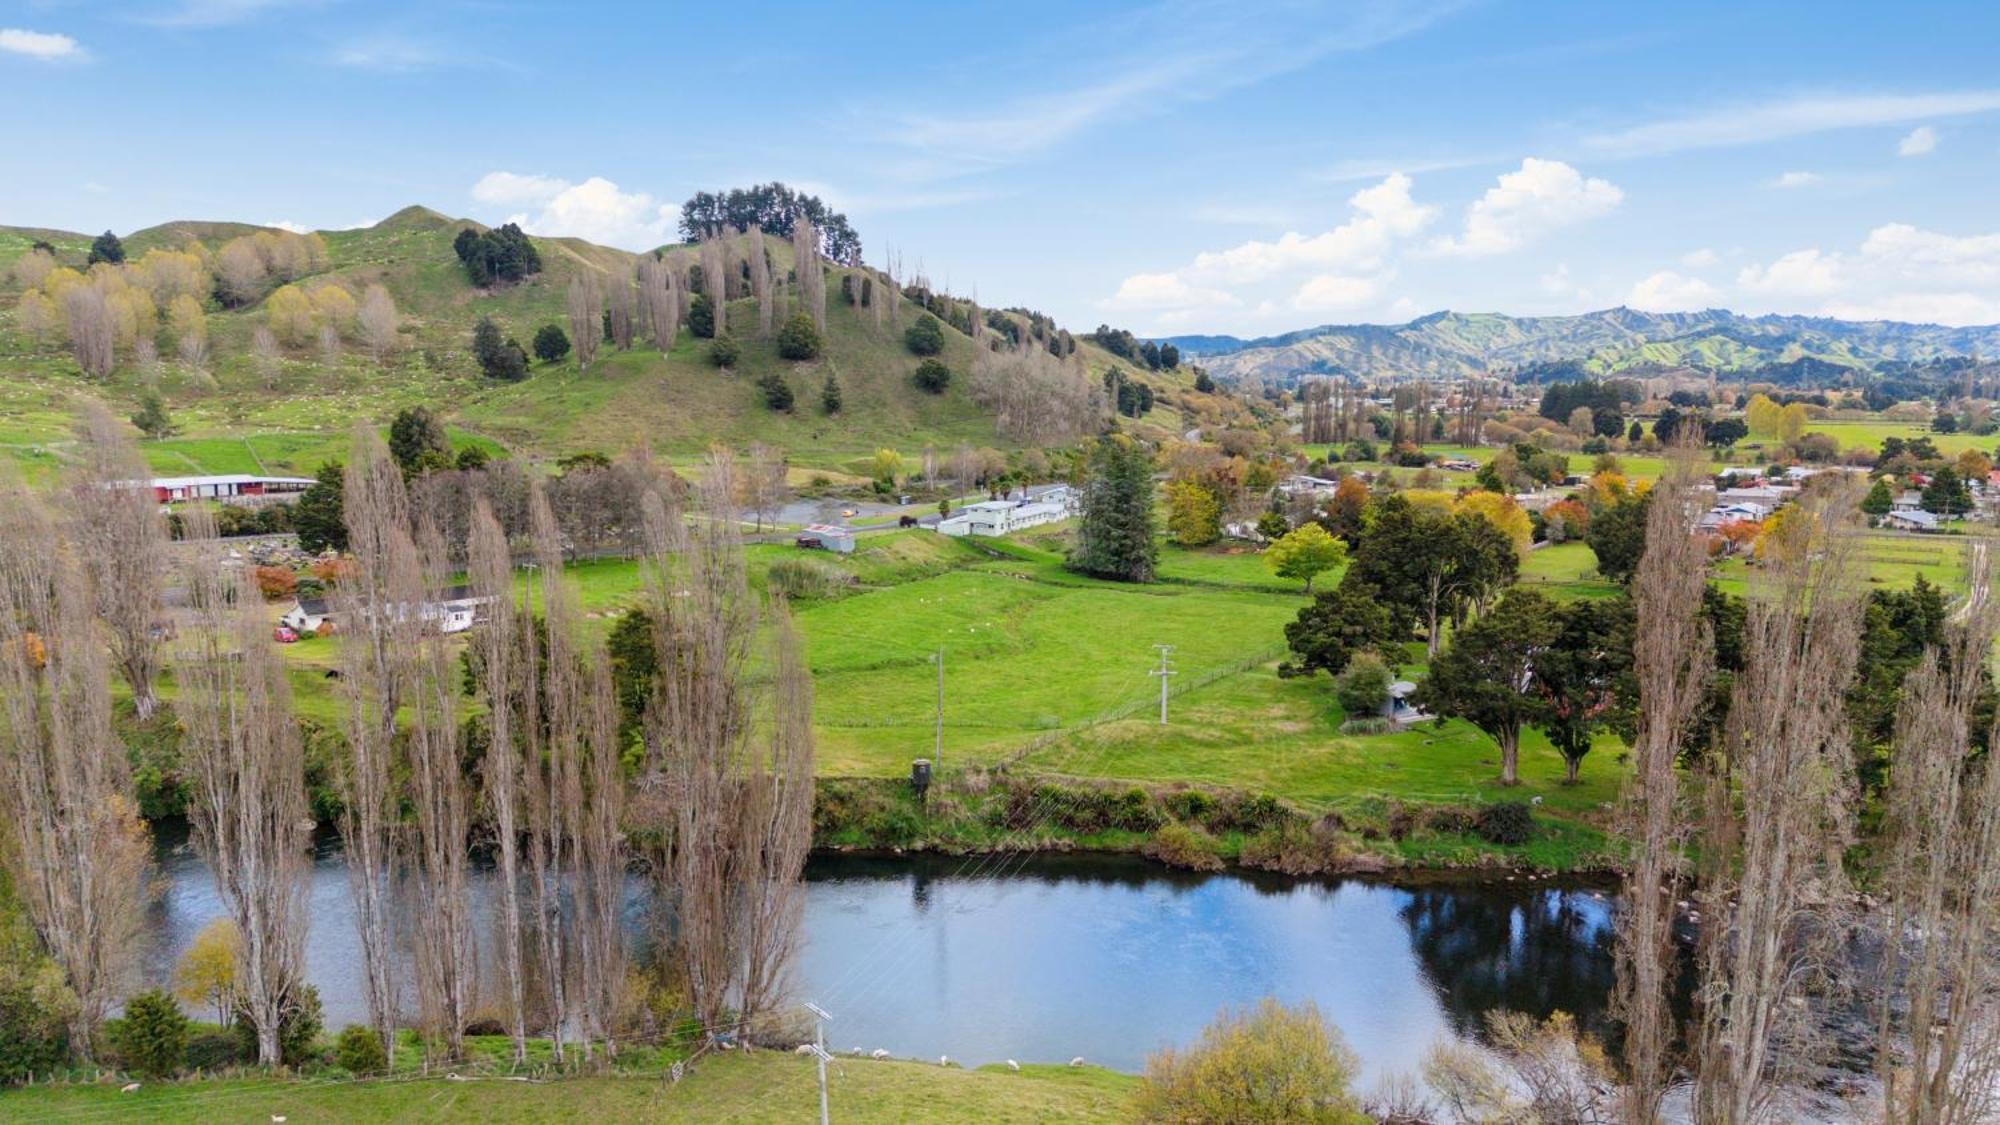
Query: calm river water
{"x": 1042, "y": 958}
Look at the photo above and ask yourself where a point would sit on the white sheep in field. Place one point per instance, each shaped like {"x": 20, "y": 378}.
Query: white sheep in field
{"x": 878, "y": 1053}
{"x": 1012, "y": 1065}
{"x": 1077, "y": 1061}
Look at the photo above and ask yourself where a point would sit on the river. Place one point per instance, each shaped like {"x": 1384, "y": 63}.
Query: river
{"x": 1046, "y": 957}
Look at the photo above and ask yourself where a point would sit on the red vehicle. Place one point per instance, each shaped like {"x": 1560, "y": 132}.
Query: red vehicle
{"x": 284, "y": 635}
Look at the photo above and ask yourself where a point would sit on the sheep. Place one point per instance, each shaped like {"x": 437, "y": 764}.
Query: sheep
{"x": 1012, "y": 1065}
{"x": 1077, "y": 1061}
{"x": 878, "y": 1053}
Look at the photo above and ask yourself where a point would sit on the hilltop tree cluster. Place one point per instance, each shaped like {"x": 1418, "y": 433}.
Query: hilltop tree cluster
{"x": 773, "y": 207}
{"x": 498, "y": 256}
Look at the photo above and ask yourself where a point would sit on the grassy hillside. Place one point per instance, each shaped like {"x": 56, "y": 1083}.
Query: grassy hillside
{"x": 678, "y": 404}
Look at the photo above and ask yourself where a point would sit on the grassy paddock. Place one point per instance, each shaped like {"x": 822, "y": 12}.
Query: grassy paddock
{"x": 764, "y": 1087}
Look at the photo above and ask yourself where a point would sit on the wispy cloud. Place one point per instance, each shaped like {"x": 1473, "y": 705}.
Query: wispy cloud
{"x": 43, "y": 46}
{"x": 1790, "y": 117}
{"x": 1183, "y": 52}
{"x": 1921, "y": 141}
{"x": 1374, "y": 168}
{"x": 214, "y": 13}
{"x": 391, "y": 54}
{"x": 1796, "y": 179}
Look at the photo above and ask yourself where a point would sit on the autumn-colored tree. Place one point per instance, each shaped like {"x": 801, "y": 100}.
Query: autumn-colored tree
{"x": 1762, "y": 415}
{"x": 1267, "y": 1063}
{"x": 378, "y": 320}
{"x": 1194, "y": 515}
{"x": 206, "y": 973}
{"x": 1792, "y": 422}
{"x": 1502, "y": 512}
{"x": 289, "y": 312}
{"x": 92, "y": 336}
{"x": 122, "y": 540}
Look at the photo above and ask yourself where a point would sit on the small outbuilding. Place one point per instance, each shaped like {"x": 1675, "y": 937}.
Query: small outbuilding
{"x": 827, "y": 537}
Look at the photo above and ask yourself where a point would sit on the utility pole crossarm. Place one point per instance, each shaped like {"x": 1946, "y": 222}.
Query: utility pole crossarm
{"x": 1163, "y": 671}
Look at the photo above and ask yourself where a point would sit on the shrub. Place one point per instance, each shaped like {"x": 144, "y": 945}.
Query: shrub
{"x": 1179, "y": 845}
{"x": 358, "y": 1050}
{"x": 724, "y": 352}
{"x": 34, "y": 1002}
{"x": 1267, "y": 1063}
{"x": 153, "y": 1036}
{"x": 298, "y": 1028}
{"x": 1507, "y": 823}
{"x": 1191, "y": 805}
{"x": 799, "y": 338}
{"x": 1373, "y": 724}
{"x": 1363, "y": 685}
{"x": 1451, "y": 820}
{"x": 276, "y": 582}
{"x": 551, "y": 343}
{"x": 807, "y": 578}
{"x": 212, "y": 1051}
{"x": 1244, "y": 812}
{"x": 1294, "y": 849}
{"x": 777, "y": 394}
{"x": 932, "y": 376}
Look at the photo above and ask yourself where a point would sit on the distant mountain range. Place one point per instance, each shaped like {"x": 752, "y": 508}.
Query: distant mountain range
{"x": 1448, "y": 345}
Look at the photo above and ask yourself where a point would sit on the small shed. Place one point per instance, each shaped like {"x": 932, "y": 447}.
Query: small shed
{"x": 1398, "y": 709}
{"x": 828, "y": 537}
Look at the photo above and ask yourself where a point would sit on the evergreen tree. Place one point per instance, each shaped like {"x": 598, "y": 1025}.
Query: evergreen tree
{"x": 106, "y": 248}
{"x": 932, "y": 375}
{"x": 551, "y": 343}
{"x": 1343, "y": 621}
{"x": 1203, "y": 383}
{"x": 319, "y": 516}
{"x": 417, "y": 440}
{"x": 777, "y": 393}
{"x": 829, "y": 394}
{"x": 1115, "y": 539}
{"x": 724, "y": 351}
{"x": 1946, "y": 495}
{"x": 799, "y": 338}
{"x": 925, "y": 337}
{"x": 499, "y": 357}
{"x": 152, "y": 419}
{"x": 701, "y": 316}
{"x": 153, "y": 1037}
{"x": 1880, "y": 499}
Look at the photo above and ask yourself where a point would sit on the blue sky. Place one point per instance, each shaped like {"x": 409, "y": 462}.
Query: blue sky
{"x": 1234, "y": 167}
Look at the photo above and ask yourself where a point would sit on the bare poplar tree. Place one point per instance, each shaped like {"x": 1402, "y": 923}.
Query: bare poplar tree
{"x": 656, "y": 291}
{"x": 762, "y": 483}
{"x": 1672, "y": 662}
{"x": 619, "y": 305}
{"x": 724, "y": 785}
{"x": 438, "y": 854}
{"x": 71, "y": 839}
{"x": 121, "y": 540}
{"x": 776, "y": 823}
{"x": 264, "y": 354}
{"x": 596, "y": 815}
{"x": 715, "y": 278}
{"x": 807, "y": 260}
{"x": 585, "y": 318}
{"x": 759, "y": 260}
{"x": 1940, "y": 883}
{"x": 1778, "y": 812}
{"x": 496, "y": 645}
{"x": 92, "y": 338}
{"x": 378, "y": 321}
{"x": 550, "y": 704}
{"x": 377, "y": 645}
{"x": 247, "y": 801}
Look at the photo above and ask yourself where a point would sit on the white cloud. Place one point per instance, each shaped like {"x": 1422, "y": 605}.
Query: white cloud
{"x": 1337, "y": 268}
{"x": 594, "y": 209}
{"x": 1801, "y": 273}
{"x": 1667, "y": 291}
{"x": 1796, "y": 179}
{"x": 1539, "y": 197}
{"x": 514, "y": 189}
{"x": 1557, "y": 283}
{"x": 45, "y": 46}
{"x": 1921, "y": 141}
{"x": 1791, "y": 117}
{"x": 1332, "y": 291}
{"x": 1700, "y": 259}
{"x": 1150, "y": 291}
{"x": 287, "y": 224}
{"x": 1899, "y": 272}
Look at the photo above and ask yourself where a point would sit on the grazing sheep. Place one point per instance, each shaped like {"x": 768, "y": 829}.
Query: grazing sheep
{"x": 878, "y": 1053}
{"x": 803, "y": 1049}
{"x": 1012, "y": 1065}
{"x": 856, "y": 1052}
{"x": 129, "y": 1088}
{"x": 1077, "y": 1061}
{"x": 944, "y": 1060}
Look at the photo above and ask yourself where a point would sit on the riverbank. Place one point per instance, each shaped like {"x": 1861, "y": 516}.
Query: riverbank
{"x": 767, "y": 1086}
{"x": 1201, "y": 828}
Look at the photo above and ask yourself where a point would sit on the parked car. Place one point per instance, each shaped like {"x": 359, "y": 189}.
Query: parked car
{"x": 809, "y": 543}
{"x": 284, "y": 636}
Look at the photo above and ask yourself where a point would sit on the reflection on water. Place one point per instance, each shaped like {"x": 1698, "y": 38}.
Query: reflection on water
{"x": 1041, "y": 958}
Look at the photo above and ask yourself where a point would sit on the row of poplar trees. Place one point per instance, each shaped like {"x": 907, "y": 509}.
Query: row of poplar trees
{"x": 713, "y": 803}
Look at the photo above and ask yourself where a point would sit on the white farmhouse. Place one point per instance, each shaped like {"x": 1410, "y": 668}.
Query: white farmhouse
{"x": 1002, "y": 517}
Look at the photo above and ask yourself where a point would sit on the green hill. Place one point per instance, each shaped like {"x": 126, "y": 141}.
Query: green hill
{"x": 678, "y": 405}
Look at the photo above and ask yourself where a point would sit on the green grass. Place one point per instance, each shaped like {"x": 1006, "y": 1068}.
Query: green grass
{"x": 1566, "y": 570}
{"x": 768, "y": 1086}
{"x": 1891, "y": 562}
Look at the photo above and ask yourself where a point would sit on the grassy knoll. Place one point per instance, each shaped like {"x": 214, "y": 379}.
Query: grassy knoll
{"x": 765, "y": 1087}
{"x": 1892, "y": 561}
{"x": 1566, "y": 570}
